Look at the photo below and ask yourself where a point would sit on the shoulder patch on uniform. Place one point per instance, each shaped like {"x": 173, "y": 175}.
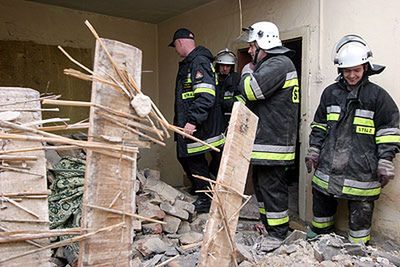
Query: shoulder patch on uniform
{"x": 199, "y": 75}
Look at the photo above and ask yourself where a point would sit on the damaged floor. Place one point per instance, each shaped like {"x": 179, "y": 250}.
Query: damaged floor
{"x": 177, "y": 242}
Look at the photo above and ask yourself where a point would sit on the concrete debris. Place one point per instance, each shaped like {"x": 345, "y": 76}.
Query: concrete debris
{"x": 151, "y": 245}
{"x": 165, "y": 191}
{"x": 174, "y": 211}
{"x": 190, "y": 238}
{"x": 172, "y": 225}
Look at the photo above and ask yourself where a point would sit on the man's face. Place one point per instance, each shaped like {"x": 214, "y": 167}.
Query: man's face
{"x": 224, "y": 69}
{"x": 252, "y": 49}
{"x": 354, "y": 74}
{"x": 179, "y": 48}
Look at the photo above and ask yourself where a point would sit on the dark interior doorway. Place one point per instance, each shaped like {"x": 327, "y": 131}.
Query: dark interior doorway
{"x": 293, "y": 172}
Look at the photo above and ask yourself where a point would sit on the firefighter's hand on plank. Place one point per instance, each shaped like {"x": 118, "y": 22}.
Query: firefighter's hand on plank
{"x": 189, "y": 128}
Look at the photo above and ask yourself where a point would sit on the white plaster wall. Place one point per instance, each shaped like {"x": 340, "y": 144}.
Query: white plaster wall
{"x": 50, "y": 25}
{"x": 379, "y": 23}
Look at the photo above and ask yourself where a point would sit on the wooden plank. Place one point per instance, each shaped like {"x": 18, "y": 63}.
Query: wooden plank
{"x": 12, "y": 218}
{"x": 100, "y": 167}
{"x": 217, "y": 248}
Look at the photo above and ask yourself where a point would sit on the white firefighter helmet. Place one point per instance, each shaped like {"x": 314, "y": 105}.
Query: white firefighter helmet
{"x": 225, "y": 57}
{"x": 266, "y": 34}
{"x": 351, "y": 51}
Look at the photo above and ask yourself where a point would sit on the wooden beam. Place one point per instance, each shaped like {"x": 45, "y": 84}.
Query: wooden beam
{"x": 217, "y": 248}
{"x": 99, "y": 189}
{"x": 28, "y": 214}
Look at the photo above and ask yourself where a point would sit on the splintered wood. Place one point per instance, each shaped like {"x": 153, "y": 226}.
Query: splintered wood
{"x": 218, "y": 247}
{"x": 110, "y": 180}
{"x": 23, "y": 178}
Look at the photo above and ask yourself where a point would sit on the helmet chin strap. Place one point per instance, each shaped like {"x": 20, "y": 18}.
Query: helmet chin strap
{"x": 255, "y": 60}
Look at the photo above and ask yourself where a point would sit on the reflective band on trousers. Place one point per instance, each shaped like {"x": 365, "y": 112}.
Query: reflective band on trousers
{"x": 323, "y": 222}
{"x": 198, "y": 147}
{"x": 240, "y": 99}
{"x": 277, "y": 218}
{"x": 360, "y": 236}
{"x": 321, "y": 179}
{"x": 357, "y": 188}
{"x": 333, "y": 109}
{"x": 271, "y": 152}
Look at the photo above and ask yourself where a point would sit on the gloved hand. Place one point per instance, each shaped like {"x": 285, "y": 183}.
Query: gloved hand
{"x": 248, "y": 68}
{"x": 385, "y": 171}
{"x": 312, "y": 158}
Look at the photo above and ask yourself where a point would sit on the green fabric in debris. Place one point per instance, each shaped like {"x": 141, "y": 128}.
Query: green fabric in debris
{"x": 65, "y": 200}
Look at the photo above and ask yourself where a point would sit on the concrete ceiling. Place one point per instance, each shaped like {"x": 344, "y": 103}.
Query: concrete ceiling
{"x": 152, "y": 11}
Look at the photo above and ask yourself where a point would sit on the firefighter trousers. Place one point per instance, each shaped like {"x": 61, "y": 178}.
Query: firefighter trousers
{"x": 360, "y": 216}
{"x": 198, "y": 165}
{"x": 271, "y": 189}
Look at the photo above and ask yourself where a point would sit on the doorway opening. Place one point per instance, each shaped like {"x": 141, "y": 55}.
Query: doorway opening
{"x": 293, "y": 172}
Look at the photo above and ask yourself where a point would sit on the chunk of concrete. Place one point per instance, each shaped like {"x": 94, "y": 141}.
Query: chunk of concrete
{"x": 184, "y": 227}
{"x": 174, "y": 211}
{"x": 172, "y": 224}
{"x": 294, "y": 236}
{"x": 165, "y": 191}
{"x": 190, "y": 238}
{"x": 149, "y": 173}
{"x": 150, "y": 245}
{"x": 189, "y": 207}
{"x": 148, "y": 210}
{"x": 152, "y": 228}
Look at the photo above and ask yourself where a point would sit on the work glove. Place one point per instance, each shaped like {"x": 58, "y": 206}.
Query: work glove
{"x": 385, "y": 171}
{"x": 312, "y": 159}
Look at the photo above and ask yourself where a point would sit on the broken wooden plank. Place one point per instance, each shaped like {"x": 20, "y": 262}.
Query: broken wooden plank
{"x": 217, "y": 247}
{"x": 16, "y": 182}
{"x": 99, "y": 189}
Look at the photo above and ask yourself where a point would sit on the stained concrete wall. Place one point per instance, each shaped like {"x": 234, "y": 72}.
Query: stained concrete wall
{"x": 30, "y": 33}
{"x": 320, "y": 23}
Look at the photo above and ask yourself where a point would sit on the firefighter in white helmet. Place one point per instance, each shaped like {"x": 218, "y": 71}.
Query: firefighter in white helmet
{"x": 270, "y": 86}
{"x": 228, "y": 81}
{"x": 354, "y": 139}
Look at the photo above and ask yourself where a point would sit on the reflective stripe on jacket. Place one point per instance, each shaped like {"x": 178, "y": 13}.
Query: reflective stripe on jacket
{"x": 195, "y": 102}
{"x": 353, "y": 130}
{"x": 272, "y": 93}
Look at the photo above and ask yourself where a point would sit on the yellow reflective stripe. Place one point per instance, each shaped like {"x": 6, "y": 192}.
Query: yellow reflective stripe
{"x": 247, "y": 89}
{"x": 273, "y": 156}
{"x": 363, "y": 121}
{"x": 361, "y": 192}
{"x": 365, "y": 130}
{"x": 261, "y": 210}
{"x": 240, "y": 99}
{"x": 319, "y": 126}
{"x": 228, "y": 97}
{"x": 332, "y": 117}
{"x": 358, "y": 240}
{"x": 388, "y": 139}
{"x": 191, "y": 150}
{"x": 187, "y": 95}
{"x": 319, "y": 182}
{"x": 322, "y": 224}
{"x": 273, "y": 222}
{"x": 290, "y": 83}
{"x": 204, "y": 90}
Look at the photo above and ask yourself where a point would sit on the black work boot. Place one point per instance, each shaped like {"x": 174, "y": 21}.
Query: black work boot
{"x": 202, "y": 204}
